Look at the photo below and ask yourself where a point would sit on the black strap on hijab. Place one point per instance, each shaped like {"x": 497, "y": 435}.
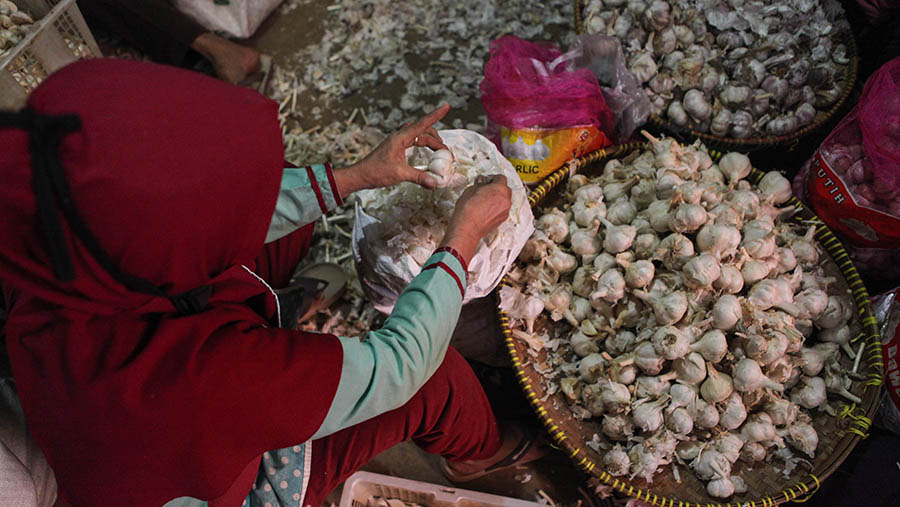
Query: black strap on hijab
{"x": 53, "y": 195}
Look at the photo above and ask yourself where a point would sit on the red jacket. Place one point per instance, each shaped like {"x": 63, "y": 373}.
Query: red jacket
{"x": 176, "y": 176}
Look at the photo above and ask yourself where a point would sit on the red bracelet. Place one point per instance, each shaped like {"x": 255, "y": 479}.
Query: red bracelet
{"x": 453, "y": 252}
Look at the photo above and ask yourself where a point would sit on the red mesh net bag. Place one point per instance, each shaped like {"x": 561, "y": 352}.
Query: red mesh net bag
{"x": 852, "y": 182}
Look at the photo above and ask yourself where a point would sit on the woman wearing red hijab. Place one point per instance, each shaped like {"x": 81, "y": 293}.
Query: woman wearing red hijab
{"x": 139, "y": 250}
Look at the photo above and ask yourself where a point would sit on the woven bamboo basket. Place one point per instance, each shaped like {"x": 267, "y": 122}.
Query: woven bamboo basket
{"x": 753, "y": 143}
{"x": 766, "y": 486}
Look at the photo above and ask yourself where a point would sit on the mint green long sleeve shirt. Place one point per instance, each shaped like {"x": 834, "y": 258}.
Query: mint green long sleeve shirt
{"x": 379, "y": 372}
{"x": 385, "y": 369}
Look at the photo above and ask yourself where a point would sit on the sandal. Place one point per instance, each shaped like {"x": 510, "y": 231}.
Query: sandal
{"x": 531, "y": 440}
{"x": 259, "y": 79}
{"x": 315, "y": 287}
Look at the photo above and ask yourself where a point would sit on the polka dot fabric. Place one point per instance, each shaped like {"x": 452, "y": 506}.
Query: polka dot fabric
{"x": 282, "y": 478}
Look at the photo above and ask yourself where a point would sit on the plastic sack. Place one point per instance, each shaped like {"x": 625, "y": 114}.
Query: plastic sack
{"x": 852, "y": 182}
{"x": 238, "y": 18}
{"x": 875, "y": 9}
{"x": 624, "y": 95}
{"x": 397, "y": 229}
{"x": 540, "y": 113}
{"x": 887, "y": 310}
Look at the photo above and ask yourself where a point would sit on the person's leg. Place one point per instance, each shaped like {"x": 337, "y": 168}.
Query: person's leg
{"x": 153, "y": 26}
{"x": 450, "y": 416}
{"x": 231, "y": 61}
{"x": 166, "y": 35}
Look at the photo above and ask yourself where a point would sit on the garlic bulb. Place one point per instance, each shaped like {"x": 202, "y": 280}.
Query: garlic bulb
{"x": 777, "y": 186}
{"x": 582, "y": 344}
{"x": 618, "y": 427}
{"x": 833, "y": 314}
{"x": 748, "y": 376}
{"x": 562, "y": 262}
{"x": 610, "y": 287}
{"x": 646, "y": 387}
{"x": 554, "y": 225}
{"x": 616, "y": 462}
{"x": 812, "y": 360}
{"x": 687, "y": 218}
{"x": 646, "y": 358}
{"x": 803, "y": 437}
{"x": 618, "y": 237}
{"x": 781, "y": 411}
{"x": 712, "y": 345}
{"x": 700, "y": 272}
{"x": 696, "y": 105}
{"x": 671, "y": 342}
{"x": 731, "y": 281}
{"x": 679, "y": 421}
{"x": 441, "y": 167}
{"x": 809, "y": 392}
{"x": 592, "y": 367}
{"x": 726, "y": 312}
{"x": 711, "y": 464}
{"x": 759, "y": 428}
{"x": 667, "y": 309}
{"x": 717, "y": 387}
{"x": 645, "y": 245}
{"x": 720, "y": 488}
{"x": 639, "y": 274}
{"x": 647, "y": 414}
{"x": 811, "y": 302}
{"x": 718, "y": 239}
{"x": 735, "y": 166}
{"x": 615, "y": 397}
{"x": 585, "y": 241}
{"x": 677, "y": 115}
{"x": 690, "y": 369}
{"x": 586, "y": 213}
{"x": 621, "y": 212}
{"x": 721, "y": 123}
{"x": 678, "y": 250}
{"x": 591, "y": 192}
{"x": 734, "y": 414}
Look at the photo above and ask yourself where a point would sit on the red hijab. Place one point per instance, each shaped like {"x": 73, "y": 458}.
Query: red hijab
{"x": 176, "y": 176}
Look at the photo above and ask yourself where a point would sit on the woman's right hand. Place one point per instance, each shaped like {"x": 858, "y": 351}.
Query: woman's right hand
{"x": 480, "y": 209}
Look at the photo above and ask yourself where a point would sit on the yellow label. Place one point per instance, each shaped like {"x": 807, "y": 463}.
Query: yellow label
{"x": 535, "y": 153}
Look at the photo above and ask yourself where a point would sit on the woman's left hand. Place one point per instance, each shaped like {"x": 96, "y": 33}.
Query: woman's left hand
{"x": 386, "y": 164}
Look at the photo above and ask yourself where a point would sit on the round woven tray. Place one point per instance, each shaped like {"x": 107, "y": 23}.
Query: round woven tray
{"x": 766, "y": 486}
{"x": 753, "y": 143}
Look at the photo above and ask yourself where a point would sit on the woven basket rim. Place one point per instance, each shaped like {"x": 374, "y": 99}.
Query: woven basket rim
{"x": 860, "y": 417}
{"x": 755, "y": 143}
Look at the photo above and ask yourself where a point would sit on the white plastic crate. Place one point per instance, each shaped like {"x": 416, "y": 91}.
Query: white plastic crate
{"x": 362, "y": 486}
{"x": 59, "y": 36}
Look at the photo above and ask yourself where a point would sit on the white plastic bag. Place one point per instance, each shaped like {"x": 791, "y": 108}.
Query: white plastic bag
{"x": 238, "y": 18}
{"x": 397, "y": 229}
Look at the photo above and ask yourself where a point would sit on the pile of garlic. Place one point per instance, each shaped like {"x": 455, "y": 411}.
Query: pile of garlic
{"x": 14, "y": 26}
{"x": 729, "y": 67}
{"x": 702, "y": 327}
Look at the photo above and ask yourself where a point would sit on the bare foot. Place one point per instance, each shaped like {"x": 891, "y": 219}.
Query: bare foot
{"x": 231, "y": 61}
{"x": 512, "y": 437}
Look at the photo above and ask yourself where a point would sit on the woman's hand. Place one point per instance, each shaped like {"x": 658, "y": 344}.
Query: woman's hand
{"x": 386, "y": 165}
{"x": 480, "y": 209}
